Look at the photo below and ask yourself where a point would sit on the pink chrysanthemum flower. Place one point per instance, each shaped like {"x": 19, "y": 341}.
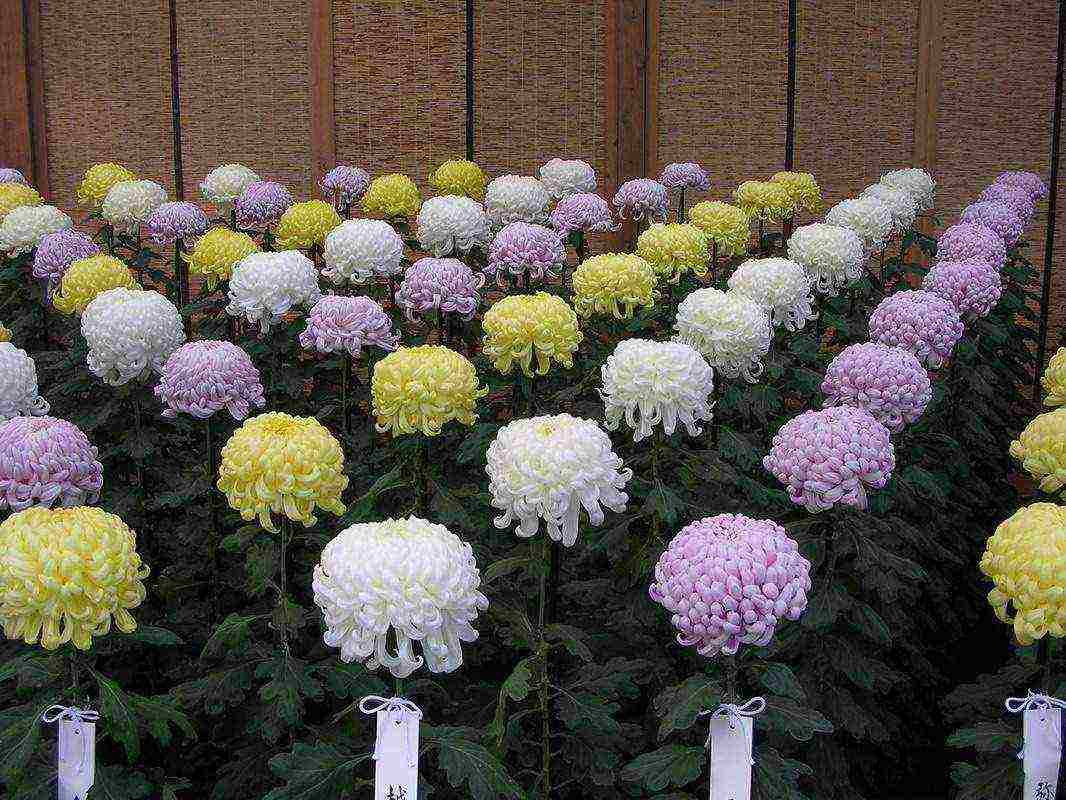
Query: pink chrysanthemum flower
{"x": 172, "y": 221}
{"x": 685, "y": 175}
{"x": 584, "y": 212}
{"x": 262, "y": 203}
{"x": 641, "y": 198}
{"x": 1030, "y": 182}
{"x": 972, "y": 240}
{"x": 888, "y": 382}
{"x": 348, "y": 323}
{"x": 922, "y": 322}
{"x": 446, "y": 284}
{"x": 998, "y": 216}
{"x": 57, "y": 251}
{"x": 46, "y": 461}
{"x": 346, "y": 185}
{"x": 973, "y": 286}
{"x": 200, "y": 378}
{"x": 1016, "y": 198}
{"x": 521, "y": 249}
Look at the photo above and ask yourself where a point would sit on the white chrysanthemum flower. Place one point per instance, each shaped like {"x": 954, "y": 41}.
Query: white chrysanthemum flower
{"x": 918, "y": 183}
{"x": 18, "y": 385}
{"x": 730, "y": 330}
{"x": 128, "y": 203}
{"x": 901, "y": 205}
{"x": 22, "y": 228}
{"x": 832, "y": 255}
{"x": 131, "y": 333}
{"x": 516, "y": 198}
{"x": 783, "y": 286}
{"x": 411, "y": 576}
{"x": 549, "y": 468}
{"x": 867, "y": 216}
{"x": 656, "y": 383}
{"x": 360, "y": 249}
{"x": 225, "y": 183}
{"x": 563, "y": 178}
{"x": 452, "y": 223}
{"x": 264, "y": 287}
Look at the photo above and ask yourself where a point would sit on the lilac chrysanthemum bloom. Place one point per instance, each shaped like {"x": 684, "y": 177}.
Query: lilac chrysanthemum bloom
{"x": 888, "y": 382}
{"x": 685, "y": 175}
{"x": 173, "y": 221}
{"x": 1014, "y": 197}
{"x": 346, "y": 185}
{"x": 57, "y": 251}
{"x": 999, "y": 217}
{"x": 200, "y": 378}
{"x": 922, "y": 322}
{"x": 262, "y": 203}
{"x": 728, "y": 580}
{"x": 972, "y": 240}
{"x": 642, "y": 197}
{"x": 446, "y": 284}
{"x": 831, "y": 456}
{"x": 586, "y": 212}
{"x": 522, "y": 248}
{"x": 9, "y": 175}
{"x": 1032, "y": 183}
{"x": 348, "y": 323}
{"x": 973, "y": 286}
{"x": 45, "y": 461}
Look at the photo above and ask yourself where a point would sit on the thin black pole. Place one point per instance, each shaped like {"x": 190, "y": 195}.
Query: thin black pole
{"x": 1053, "y": 180}
{"x": 790, "y": 104}
{"x": 175, "y": 101}
{"x": 469, "y": 80}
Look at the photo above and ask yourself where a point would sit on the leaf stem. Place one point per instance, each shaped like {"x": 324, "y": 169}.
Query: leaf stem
{"x": 545, "y": 613}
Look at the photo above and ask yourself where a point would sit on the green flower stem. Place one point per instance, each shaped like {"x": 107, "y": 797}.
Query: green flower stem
{"x": 181, "y": 283}
{"x": 716, "y": 395}
{"x": 758, "y": 249}
{"x": 421, "y": 478}
{"x": 730, "y": 673}
{"x": 656, "y": 454}
{"x": 285, "y": 538}
{"x": 681, "y": 205}
{"x": 346, "y": 381}
{"x": 135, "y": 401}
{"x": 399, "y": 687}
{"x": 714, "y": 262}
{"x": 545, "y": 612}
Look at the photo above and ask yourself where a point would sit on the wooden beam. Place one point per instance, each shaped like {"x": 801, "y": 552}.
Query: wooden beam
{"x": 652, "y": 167}
{"x": 323, "y": 133}
{"x": 38, "y": 116}
{"x": 927, "y": 88}
{"x": 610, "y": 94}
{"x": 16, "y": 123}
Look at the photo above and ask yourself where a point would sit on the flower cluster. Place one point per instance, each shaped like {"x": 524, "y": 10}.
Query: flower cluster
{"x": 217, "y": 252}
{"x": 780, "y": 285}
{"x": 264, "y": 287}
{"x": 305, "y": 225}
{"x": 452, "y": 223}
{"x": 730, "y": 330}
{"x": 922, "y": 322}
{"x": 615, "y": 284}
{"x": 350, "y": 324}
{"x": 46, "y": 461}
{"x": 685, "y": 175}
{"x": 22, "y": 228}
{"x": 549, "y": 468}
{"x": 765, "y": 200}
{"x": 674, "y": 249}
{"x": 57, "y": 251}
{"x": 999, "y": 217}
{"x": 916, "y": 182}
{"x": 262, "y": 204}
{"x": 1054, "y": 379}
{"x": 128, "y": 204}
{"x": 173, "y": 221}
{"x": 728, "y": 580}
{"x": 564, "y": 178}
{"x": 346, "y": 185}
{"x": 803, "y": 189}
{"x": 521, "y": 249}
{"x": 459, "y": 177}
{"x": 360, "y": 249}
{"x": 391, "y": 196}
{"x": 901, "y": 206}
{"x": 516, "y": 198}
{"x": 16, "y": 195}
{"x": 225, "y": 183}
{"x": 97, "y": 182}
{"x": 973, "y": 286}
{"x": 1041, "y": 448}
{"x": 888, "y": 382}
{"x": 972, "y": 240}
{"x": 1030, "y": 182}
{"x": 130, "y": 333}
{"x": 1016, "y": 198}
{"x": 18, "y": 384}
{"x": 832, "y": 255}
{"x": 88, "y": 277}
{"x": 642, "y": 198}
{"x": 724, "y": 225}
{"x": 870, "y": 218}
{"x": 200, "y": 378}
{"x": 582, "y": 213}
{"x": 445, "y": 284}
{"x": 419, "y": 389}
{"x": 520, "y": 327}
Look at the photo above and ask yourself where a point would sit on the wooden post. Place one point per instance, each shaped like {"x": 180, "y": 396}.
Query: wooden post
{"x": 22, "y": 143}
{"x": 927, "y": 89}
{"x": 323, "y": 134}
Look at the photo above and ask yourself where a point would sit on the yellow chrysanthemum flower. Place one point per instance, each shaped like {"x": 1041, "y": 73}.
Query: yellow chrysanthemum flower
{"x": 764, "y": 200}
{"x": 722, "y": 223}
{"x": 66, "y": 573}
{"x": 278, "y": 463}
{"x": 1026, "y": 559}
{"x": 5, "y": 333}
{"x": 303, "y": 225}
{"x": 523, "y": 325}
{"x": 88, "y": 277}
{"x": 673, "y": 249}
{"x": 217, "y": 252}
{"x": 419, "y": 389}
{"x": 802, "y": 188}
{"x": 391, "y": 196}
{"x": 1041, "y": 448}
{"x": 16, "y": 195}
{"x": 613, "y": 283}
{"x": 463, "y": 178}
{"x": 1054, "y": 379}
{"x": 98, "y": 180}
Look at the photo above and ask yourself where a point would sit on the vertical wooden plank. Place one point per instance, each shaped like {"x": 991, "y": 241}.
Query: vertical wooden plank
{"x": 610, "y": 93}
{"x": 38, "y": 117}
{"x": 16, "y": 126}
{"x": 927, "y": 90}
{"x": 632, "y": 88}
{"x": 323, "y": 135}
{"x": 652, "y": 167}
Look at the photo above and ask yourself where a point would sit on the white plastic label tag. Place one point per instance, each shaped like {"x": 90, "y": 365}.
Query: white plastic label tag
{"x": 1043, "y": 752}
{"x": 77, "y": 759}
{"x": 731, "y": 741}
{"x": 396, "y": 755}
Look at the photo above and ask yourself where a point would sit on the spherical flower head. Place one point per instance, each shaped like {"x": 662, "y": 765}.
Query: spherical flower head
{"x": 277, "y": 463}
{"x": 833, "y": 255}
{"x": 127, "y": 204}
{"x": 46, "y": 461}
{"x": 649, "y": 384}
{"x": 1041, "y": 449}
{"x": 345, "y": 184}
{"x": 563, "y": 178}
{"x": 870, "y": 218}
{"x": 615, "y": 284}
{"x": 728, "y": 580}
{"x": 97, "y": 182}
{"x": 206, "y": 376}
{"x": 549, "y": 468}
{"x": 585, "y": 213}
{"x": 411, "y": 576}
{"x": 419, "y": 389}
{"x": 685, "y": 175}
{"x": 1030, "y": 182}
{"x": 918, "y": 183}
{"x": 18, "y": 384}
{"x": 780, "y": 285}
{"x": 888, "y": 382}
{"x": 922, "y": 322}
{"x": 57, "y": 251}
{"x": 360, "y": 249}
{"x": 973, "y": 286}
{"x": 722, "y": 224}
{"x": 392, "y": 196}
{"x": 521, "y": 327}
{"x": 348, "y": 323}
{"x": 1025, "y": 558}
{"x": 304, "y": 225}
{"x": 900, "y": 204}
{"x": 262, "y": 204}
{"x": 830, "y": 457}
{"x": 88, "y": 277}
{"x": 131, "y": 333}
{"x": 66, "y": 574}
{"x": 968, "y": 240}
{"x": 225, "y": 183}
{"x": 9, "y": 175}
{"x": 803, "y": 189}
{"x": 264, "y": 287}
{"x": 217, "y": 252}
{"x": 14, "y": 195}
{"x": 642, "y": 197}
{"x": 674, "y": 249}
{"x": 445, "y": 284}
{"x": 451, "y": 223}
{"x": 521, "y": 249}
{"x": 1016, "y": 198}
{"x": 1054, "y": 379}
{"x": 22, "y": 228}
{"x": 516, "y": 198}
{"x": 459, "y": 177}
{"x": 765, "y": 200}
{"x": 998, "y": 216}
{"x": 173, "y": 221}
{"x": 730, "y": 330}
